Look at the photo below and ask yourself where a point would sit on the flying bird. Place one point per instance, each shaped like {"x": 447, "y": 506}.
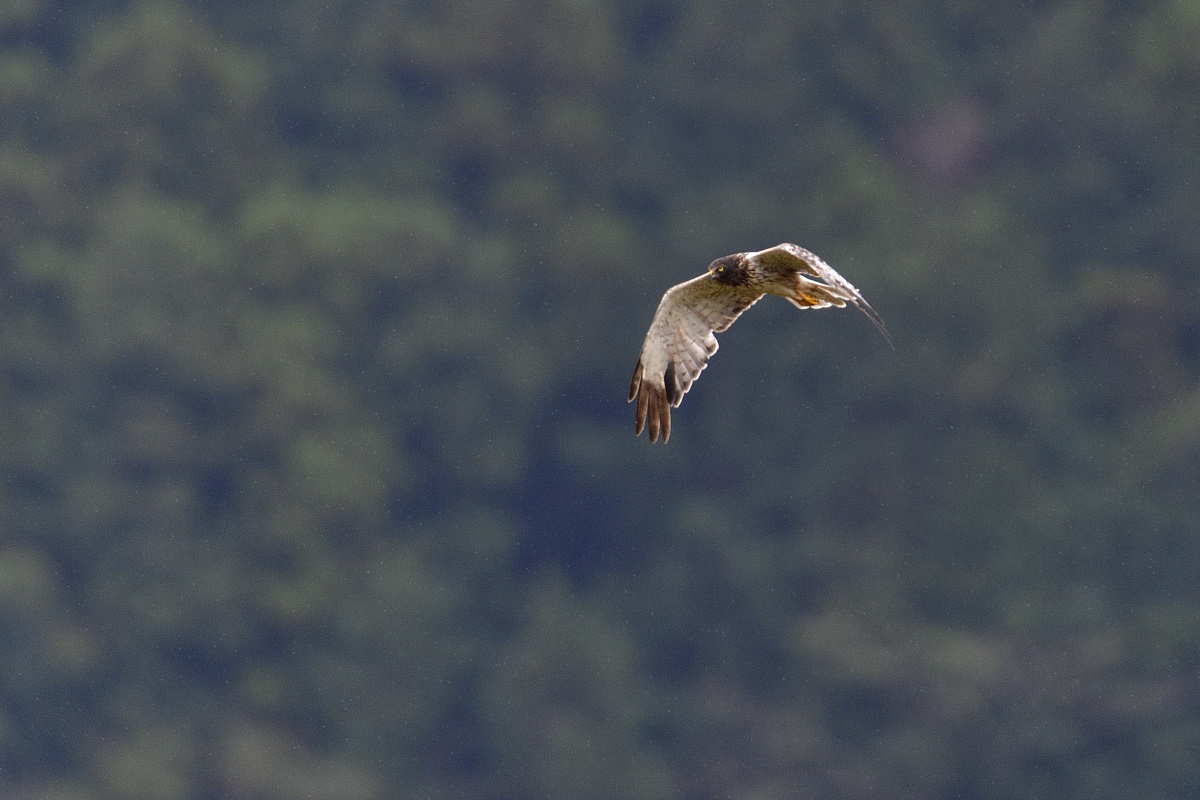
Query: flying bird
{"x": 680, "y": 340}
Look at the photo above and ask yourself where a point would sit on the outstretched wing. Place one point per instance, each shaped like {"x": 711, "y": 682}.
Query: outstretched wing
{"x": 679, "y": 344}
{"x": 830, "y": 288}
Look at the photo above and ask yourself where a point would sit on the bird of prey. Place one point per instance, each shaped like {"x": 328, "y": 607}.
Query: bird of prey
{"x": 680, "y": 340}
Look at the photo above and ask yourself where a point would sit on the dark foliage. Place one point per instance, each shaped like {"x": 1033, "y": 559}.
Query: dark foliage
{"x": 317, "y": 475}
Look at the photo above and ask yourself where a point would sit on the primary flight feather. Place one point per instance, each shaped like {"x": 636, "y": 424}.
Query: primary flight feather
{"x": 680, "y": 340}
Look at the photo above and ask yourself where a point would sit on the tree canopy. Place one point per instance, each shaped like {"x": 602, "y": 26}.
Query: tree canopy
{"x": 316, "y": 473}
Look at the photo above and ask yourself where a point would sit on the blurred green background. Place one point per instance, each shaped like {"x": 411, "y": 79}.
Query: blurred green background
{"x": 318, "y": 479}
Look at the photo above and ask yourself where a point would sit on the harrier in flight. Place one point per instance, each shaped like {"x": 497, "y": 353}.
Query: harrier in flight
{"x": 680, "y": 340}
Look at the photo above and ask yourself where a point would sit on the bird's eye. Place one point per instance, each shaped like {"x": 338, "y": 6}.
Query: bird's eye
{"x": 721, "y": 269}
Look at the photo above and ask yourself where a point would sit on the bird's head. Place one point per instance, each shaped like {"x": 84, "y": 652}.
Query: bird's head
{"x": 729, "y": 269}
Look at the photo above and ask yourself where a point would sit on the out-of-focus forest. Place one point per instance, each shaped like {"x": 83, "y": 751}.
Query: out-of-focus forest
{"x": 317, "y": 478}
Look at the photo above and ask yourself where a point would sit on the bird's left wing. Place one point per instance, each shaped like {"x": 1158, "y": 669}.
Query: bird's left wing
{"x": 830, "y": 288}
{"x": 679, "y": 344}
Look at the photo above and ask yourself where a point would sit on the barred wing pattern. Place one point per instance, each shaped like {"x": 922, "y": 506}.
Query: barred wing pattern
{"x": 678, "y": 345}
{"x": 833, "y": 289}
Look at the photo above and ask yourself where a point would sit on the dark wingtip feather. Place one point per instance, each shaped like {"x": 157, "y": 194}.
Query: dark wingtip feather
{"x": 670, "y": 384}
{"x": 654, "y": 412}
{"x": 643, "y": 401}
{"x": 876, "y": 320}
{"x": 653, "y": 403}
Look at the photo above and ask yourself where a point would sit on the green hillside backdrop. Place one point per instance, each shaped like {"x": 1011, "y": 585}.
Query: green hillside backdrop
{"x": 317, "y": 478}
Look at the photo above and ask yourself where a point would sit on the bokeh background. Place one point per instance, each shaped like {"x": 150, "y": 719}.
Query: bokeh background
{"x": 317, "y": 478}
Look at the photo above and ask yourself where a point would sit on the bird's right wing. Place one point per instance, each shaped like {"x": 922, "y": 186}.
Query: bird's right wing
{"x": 679, "y": 344}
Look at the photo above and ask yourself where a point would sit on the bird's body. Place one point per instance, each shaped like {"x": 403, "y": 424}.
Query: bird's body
{"x": 680, "y": 340}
